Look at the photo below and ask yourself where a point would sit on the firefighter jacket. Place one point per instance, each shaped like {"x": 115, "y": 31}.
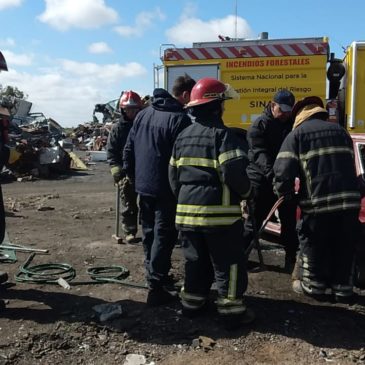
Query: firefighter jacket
{"x": 150, "y": 141}
{"x": 4, "y": 150}
{"x": 117, "y": 139}
{"x": 4, "y": 158}
{"x": 264, "y": 137}
{"x": 321, "y": 154}
{"x": 207, "y": 174}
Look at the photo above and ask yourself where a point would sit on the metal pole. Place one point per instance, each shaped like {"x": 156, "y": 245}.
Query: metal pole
{"x": 23, "y": 248}
{"x": 256, "y": 238}
{"x": 257, "y": 231}
{"x": 116, "y": 236}
{"x": 235, "y": 22}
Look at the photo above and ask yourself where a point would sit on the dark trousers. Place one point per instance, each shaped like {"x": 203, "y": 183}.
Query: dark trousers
{"x": 213, "y": 255}
{"x": 128, "y": 207}
{"x": 159, "y": 236}
{"x": 264, "y": 199}
{"x": 327, "y": 243}
{"x": 2, "y": 217}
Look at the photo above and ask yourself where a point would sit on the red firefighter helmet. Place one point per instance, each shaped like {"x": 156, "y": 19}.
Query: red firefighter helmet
{"x": 3, "y": 65}
{"x": 130, "y": 99}
{"x": 209, "y": 89}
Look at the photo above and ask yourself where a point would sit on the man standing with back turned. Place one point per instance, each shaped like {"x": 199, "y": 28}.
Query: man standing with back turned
{"x": 146, "y": 158}
{"x": 321, "y": 154}
{"x": 207, "y": 173}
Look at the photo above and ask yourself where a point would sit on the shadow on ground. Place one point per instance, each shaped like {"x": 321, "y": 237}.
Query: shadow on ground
{"x": 330, "y": 326}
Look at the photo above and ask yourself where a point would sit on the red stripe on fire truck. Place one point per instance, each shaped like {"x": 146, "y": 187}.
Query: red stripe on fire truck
{"x": 270, "y": 50}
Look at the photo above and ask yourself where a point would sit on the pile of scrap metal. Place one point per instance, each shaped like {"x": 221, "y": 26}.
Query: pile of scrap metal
{"x": 91, "y": 136}
{"x": 110, "y": 111}
{"x": 39, "y": 139}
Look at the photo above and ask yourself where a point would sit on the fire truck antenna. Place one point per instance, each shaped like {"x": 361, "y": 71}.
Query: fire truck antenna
{"x": 235, "y": 21}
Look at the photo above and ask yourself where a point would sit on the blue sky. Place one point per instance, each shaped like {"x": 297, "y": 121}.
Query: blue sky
{"x": 68, "y": 55}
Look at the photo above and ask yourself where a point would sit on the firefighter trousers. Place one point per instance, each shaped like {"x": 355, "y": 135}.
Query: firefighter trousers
{"x": 159, "y": 236}
{"x": 327, "y": 249}
{"x": 2, "y": 217}
{"x": 128, "y": 207}
{"x": 216, "y": 255}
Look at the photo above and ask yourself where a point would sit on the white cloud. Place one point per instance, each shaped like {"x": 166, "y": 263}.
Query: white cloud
{"x": 143, "y": 22}
{"x": 99, "y": 47}
{"x": 7, "y": 42}
{"x": 68, "y": 92}
{"x": 103, "y": 72}
{"x": 16, "y": 59}
{"x": 86, "y": 14}
{"x": 189, "y": 11}
{"x": 191, "y": 29}
{"x": 4, "y": 4}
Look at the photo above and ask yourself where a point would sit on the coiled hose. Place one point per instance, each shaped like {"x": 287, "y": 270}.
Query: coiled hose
{"x": 52, "y": 272}
{"x": 44, "y": 273}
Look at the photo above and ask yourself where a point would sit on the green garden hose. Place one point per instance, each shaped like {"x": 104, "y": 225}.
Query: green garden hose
{"x": 50, "y": 274}
{"x": 44, "y": 273}
{"x": 112, "y": 274}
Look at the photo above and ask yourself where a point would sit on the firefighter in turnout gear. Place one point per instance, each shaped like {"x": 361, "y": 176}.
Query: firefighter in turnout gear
{"x": 130, "y": 104}
{"x": 207, "y": 174}
{"x": 8, "y": 156}
{"x": 321, "y": 154}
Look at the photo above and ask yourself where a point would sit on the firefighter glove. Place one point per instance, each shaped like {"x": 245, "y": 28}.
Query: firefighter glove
{"x": 14, "y": 155}
{"x": 117, "y": 174}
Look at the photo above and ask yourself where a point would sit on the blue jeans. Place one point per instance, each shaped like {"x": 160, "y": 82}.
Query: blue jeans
{"x": 159, "y": 236}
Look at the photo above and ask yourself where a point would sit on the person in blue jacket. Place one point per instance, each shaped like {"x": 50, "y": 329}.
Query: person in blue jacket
{"x": 145, "y": 160}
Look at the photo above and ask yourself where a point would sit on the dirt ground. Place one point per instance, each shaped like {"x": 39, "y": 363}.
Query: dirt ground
{"x": 73, "y": 217}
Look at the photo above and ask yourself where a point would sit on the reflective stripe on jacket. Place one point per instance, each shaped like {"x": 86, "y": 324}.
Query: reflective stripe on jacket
{"x": 207, "y": 174}
{"x": 321, "y": 154}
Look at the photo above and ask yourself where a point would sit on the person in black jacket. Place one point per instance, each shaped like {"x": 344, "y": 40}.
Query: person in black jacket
{"x": 264, "y": 137}
{"x": 146, "y": 158}
{"x": 321, "y": 154}
{"x": 130, "y": 104}
{"x": 207, "y": 174}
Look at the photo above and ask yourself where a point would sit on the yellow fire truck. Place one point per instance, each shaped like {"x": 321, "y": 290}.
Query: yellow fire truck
{"x": 257, "y": 69}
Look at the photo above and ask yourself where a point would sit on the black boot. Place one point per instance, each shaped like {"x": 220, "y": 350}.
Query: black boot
{"x": 193, "y": 313}
{"x": 235, "y": 321}
{"x": 3, "y": 277}
{"x": 158, "y": 297}
{"x": 289, "y": 263}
